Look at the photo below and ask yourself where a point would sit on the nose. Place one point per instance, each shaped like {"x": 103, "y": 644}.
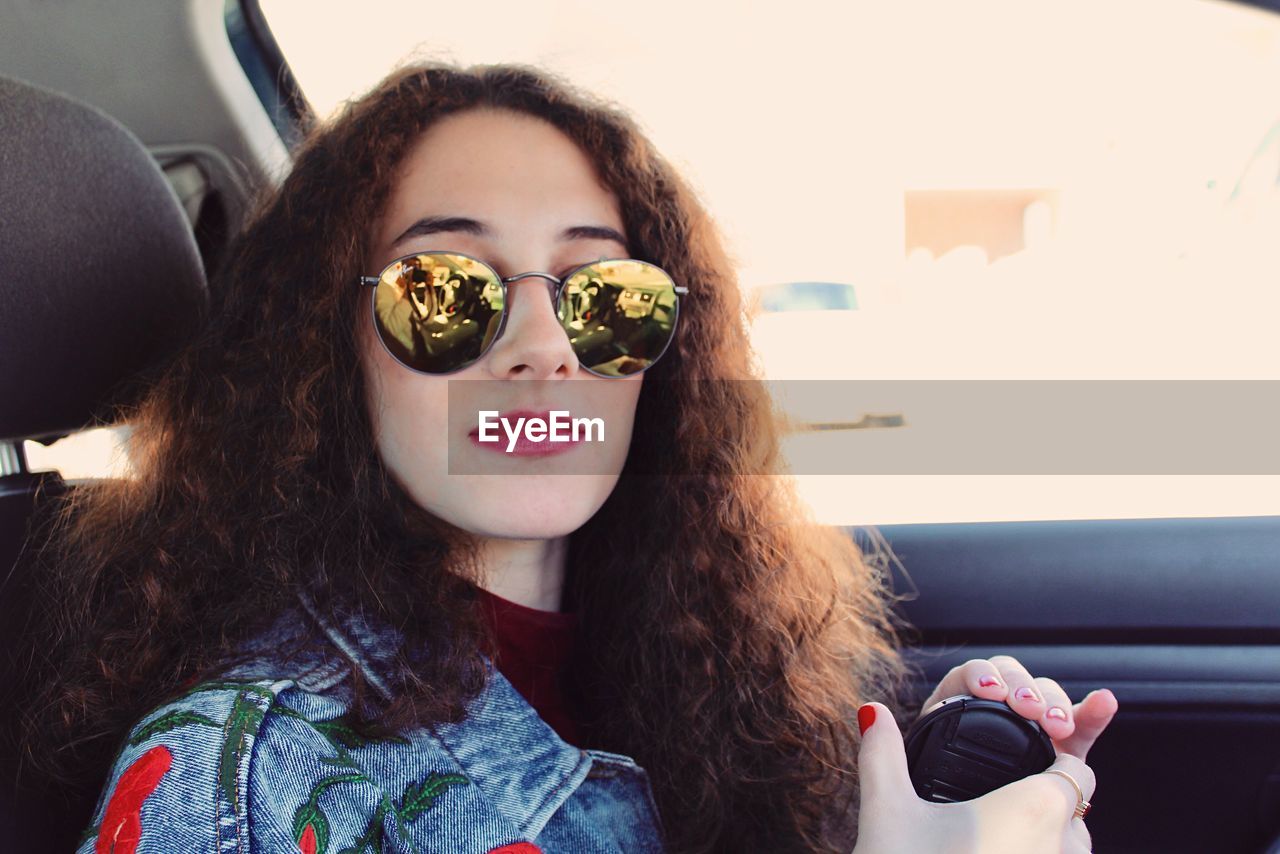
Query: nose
{"x": 534, "y": 345}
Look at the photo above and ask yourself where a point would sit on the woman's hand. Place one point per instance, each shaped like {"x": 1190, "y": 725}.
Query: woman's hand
{"x": 1073, "y": 729}
{"x": 1034, "y": 815}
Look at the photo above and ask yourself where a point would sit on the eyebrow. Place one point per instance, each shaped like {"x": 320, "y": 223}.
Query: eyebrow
{"x": 465, "y": 225}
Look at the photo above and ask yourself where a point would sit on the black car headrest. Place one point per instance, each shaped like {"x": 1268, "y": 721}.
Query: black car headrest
{"x": 99, "y": 272}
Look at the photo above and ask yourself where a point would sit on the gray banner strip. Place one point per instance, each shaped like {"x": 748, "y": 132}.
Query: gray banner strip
{"x": 943, "y": 427}
{"x": 1033, "y": 427}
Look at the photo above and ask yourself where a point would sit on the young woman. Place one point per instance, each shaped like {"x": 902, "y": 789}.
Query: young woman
{"x": 326, "y": 616}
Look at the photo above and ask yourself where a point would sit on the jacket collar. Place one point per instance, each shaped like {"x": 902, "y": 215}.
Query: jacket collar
{"x": 516, "y": 760}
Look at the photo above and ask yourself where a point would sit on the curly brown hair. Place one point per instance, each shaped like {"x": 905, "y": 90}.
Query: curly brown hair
{"x": 726, "y": 654}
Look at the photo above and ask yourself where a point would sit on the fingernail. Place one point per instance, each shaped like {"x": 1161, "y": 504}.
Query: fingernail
{"x": 1026, "y": 694}
{"x": 866, "y": 717}
{"x": 989, "y": 682}
{"x": 1056, "y": 713}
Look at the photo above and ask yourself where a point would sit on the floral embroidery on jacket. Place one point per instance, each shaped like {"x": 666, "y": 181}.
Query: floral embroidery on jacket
{"x": 311, "y": 825}
{"x": 120, "y": 830}
{"x": 121, "y": 827}
{"x": 311, "y": 828}
{"x": 244, "y": 720}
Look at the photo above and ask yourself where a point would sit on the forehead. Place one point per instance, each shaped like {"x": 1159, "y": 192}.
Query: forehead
{"x": 509, "y": 169}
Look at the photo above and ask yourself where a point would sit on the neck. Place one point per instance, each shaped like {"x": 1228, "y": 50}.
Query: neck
{"x": 528, "y": 572}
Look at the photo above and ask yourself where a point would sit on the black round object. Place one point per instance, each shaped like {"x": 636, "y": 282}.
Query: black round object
{"x": 964, "y": 747}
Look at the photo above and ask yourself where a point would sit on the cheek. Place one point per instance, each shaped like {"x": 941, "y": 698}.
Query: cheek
{"x": 623, "y": 397}
{"x": 408, "y": 412}
{"x": 412, "y": 416}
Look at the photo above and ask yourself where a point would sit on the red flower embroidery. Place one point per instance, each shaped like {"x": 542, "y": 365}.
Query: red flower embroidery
{"x": 121, "y": 827}
{"x": 517, "y": 848}
{"x": 307, "y": 844}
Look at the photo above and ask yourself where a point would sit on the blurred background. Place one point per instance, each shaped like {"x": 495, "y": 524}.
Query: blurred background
{"x": 999, "y": 190}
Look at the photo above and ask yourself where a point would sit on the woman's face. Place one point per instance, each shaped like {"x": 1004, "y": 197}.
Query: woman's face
{"x": 521, "y": 196}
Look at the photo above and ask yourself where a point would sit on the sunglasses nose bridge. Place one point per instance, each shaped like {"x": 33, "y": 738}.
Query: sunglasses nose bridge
{"x": 557, "y": 284}
{"x": 532, "y": 275}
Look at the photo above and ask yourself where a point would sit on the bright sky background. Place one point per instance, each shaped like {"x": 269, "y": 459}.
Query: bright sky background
{"x": 803, "y": 124}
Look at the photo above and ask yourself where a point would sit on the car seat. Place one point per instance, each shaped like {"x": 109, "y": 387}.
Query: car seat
{"x": 100, "y": 277}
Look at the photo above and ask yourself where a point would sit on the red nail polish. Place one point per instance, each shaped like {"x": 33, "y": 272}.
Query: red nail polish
{"x": 1026, "y": 694}
{"x": 866, "y": 717}
{"x": 988, "y": 682}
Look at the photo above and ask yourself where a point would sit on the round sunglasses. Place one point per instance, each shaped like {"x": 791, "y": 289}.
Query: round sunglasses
{"x": 439, "y": 312}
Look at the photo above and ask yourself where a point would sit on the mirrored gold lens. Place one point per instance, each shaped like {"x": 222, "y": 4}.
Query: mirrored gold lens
{"x": 620, "y": 315}
{"x": 438, "y": 312}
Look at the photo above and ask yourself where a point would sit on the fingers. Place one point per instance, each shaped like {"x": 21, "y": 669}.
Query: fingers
{"x": 882, "y": 759}
{"x": 1024, "y": 697}
{"x": 1078, "y": 771}
{"x": 1073, "y": 728}
{"x": 1092, "y": 715}
{"x": 977, "y": 676}
{"x": 1077, "y": 834}
{"x": 1058, "y": 719}
{"x": 1037, "y": 810}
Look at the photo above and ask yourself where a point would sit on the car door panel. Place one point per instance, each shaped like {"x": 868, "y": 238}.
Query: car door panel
{"x": 1180, "y": 618}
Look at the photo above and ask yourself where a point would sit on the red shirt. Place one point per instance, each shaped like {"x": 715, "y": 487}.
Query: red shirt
{"x": 534, "y": 648}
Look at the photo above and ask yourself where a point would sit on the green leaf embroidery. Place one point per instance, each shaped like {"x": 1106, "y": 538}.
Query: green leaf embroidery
{"x": 420, "y": 797}
{"x": 170, "y": 721}
{"x": 373, "y": 837}
{"x": 339, "y": 731}
{"x": 244, "y": 719}
{"x": 282, "y": 709}
{"x": 417, "y": 799}
{"x": 261, "y": 690}
{"x": 311, "y": 814}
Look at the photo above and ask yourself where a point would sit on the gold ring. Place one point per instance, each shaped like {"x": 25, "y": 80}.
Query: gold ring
{"x": 1082, "y": 806}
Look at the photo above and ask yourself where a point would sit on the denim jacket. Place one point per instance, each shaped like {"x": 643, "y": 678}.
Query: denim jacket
{"x": 266, "y": 762}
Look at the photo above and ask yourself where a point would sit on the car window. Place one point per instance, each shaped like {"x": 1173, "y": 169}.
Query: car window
{"x": 87, "y": 455}
{"x": 1012, "y": 191}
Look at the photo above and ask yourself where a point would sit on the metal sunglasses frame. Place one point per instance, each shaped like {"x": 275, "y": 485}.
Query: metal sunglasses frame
{"x": 367, "y": 281}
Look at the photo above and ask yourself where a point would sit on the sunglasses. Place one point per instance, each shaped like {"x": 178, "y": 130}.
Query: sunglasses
{"x": 439, "y": 312}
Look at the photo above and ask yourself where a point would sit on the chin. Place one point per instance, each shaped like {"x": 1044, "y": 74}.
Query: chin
{"x": 527, "y": 508}
{"x": 530, "y": 531}
{"x": 520, "y": 526}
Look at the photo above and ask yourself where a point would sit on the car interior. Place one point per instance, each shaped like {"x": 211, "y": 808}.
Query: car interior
{"x": 132, "y": 136}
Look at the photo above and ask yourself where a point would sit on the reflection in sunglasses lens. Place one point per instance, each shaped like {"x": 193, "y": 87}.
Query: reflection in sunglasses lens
{"x": 438, "y": 313}
{"x": 619, "y": 315}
